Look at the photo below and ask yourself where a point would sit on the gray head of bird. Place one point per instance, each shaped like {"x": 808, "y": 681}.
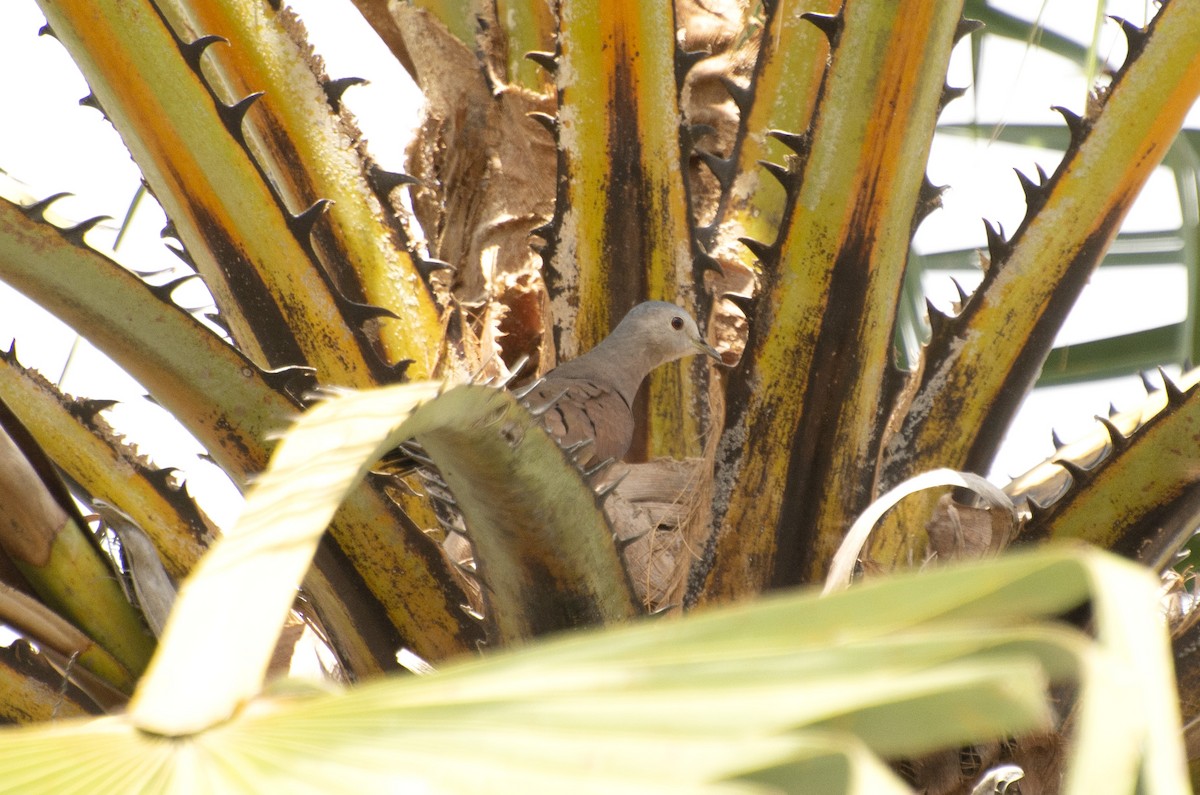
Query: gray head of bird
{"x": 653, "y": 333}
{"x": 663, "y": 331}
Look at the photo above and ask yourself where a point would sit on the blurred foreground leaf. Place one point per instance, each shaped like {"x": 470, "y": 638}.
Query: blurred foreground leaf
{"x": 792, "y": 691}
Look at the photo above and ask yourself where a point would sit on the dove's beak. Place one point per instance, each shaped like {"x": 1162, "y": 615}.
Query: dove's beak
{"x": 708, "y": 350}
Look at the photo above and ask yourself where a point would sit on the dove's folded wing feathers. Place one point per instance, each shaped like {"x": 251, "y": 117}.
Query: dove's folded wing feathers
{"x": 584, "y": 409}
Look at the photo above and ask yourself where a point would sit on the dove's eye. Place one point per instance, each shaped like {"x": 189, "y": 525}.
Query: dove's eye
{"x": 677, "y": 322}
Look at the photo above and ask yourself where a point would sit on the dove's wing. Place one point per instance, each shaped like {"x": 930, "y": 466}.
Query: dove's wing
{"x": 583, "y": 409}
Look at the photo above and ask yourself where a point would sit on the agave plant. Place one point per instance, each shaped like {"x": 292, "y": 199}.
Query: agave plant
{"x": 764, "y": 168}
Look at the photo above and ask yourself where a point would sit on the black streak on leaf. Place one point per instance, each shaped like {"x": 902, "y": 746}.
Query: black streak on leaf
{"x": 626, "y": 210}
{"x": 833, "y": 369}
{"x": 246, "y": 285}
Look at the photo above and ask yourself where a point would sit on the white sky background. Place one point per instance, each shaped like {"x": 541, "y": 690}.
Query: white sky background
{"x": 50, "y": 143}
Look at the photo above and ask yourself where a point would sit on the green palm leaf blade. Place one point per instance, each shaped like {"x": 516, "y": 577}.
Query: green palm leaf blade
{"x": 712, "y": 703}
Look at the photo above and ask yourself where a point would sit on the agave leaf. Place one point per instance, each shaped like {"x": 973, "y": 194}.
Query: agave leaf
{"x": 1185, "y": 648}
{"x": 227, "y": 402}
{"x": 232, "y": 407}
{"x": 1034, "y": 278}
{"x": 529, "y": 26}
{"x": 545, "y": 556}
{"x": 1130, "y": 353}
{"x": 783, "y": 92}
{"x": 49, "y": 543}
{"x": 91, "y": 454}
{"x": 1100, "y": 506}
{"x": 295, "y": 126}
{"x": 802, "y": 465}
{"x": 830, "y": 763}
{"x": 625, "y": 234}
{"x": 281, "y": 306}
{"x": 617, "y": 84}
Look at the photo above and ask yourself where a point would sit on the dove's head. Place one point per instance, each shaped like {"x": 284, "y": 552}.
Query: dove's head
{"x": 664, "y": 332}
